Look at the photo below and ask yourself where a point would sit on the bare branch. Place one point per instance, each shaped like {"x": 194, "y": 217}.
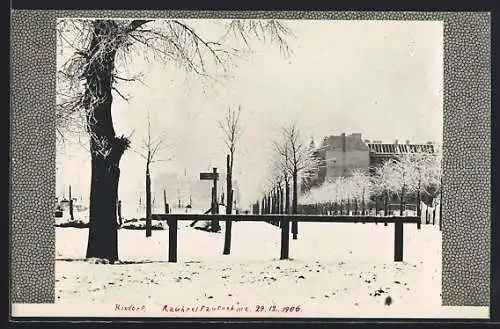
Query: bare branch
{"x": 135, "y": 24}
{"x": 165, "y": 40}
{"x": 120, "y": 94}
{"x": 231, "y": 127}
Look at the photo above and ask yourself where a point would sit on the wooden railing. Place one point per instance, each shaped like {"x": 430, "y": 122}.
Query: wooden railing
{"x": 398, "y": 221}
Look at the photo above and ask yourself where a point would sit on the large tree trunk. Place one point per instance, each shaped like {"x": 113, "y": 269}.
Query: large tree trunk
{"x": 103, "y": 234}
{"x": 106, "y": 149}
{"x": 148, "y": 202}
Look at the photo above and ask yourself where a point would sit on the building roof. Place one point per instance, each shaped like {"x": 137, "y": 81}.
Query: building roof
{"x": 380, "y": 148}
{"x": 351, "y": 142}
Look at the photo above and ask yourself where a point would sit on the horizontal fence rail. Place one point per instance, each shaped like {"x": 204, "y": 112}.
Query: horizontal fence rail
{"x": 284, "y": 220}
{"x": 298, "y": 218}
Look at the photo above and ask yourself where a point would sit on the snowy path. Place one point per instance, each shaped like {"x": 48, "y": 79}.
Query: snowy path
{"x": 335, "y": 270}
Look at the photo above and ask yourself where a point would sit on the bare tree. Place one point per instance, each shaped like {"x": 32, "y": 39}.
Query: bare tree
{"x": 149, "y": 150}
{"x": 231, "y": 127}
{"x": 362, "y": 185}
{"x": 232, "y": 131}
{"x": 275, "y": 185}
{"x": 88, "y": 80}
{"x": 384, "y": 183}
{"x": 299, "y": 159}
{"x": 281, "y": 168}
{"x": 424, "y": 166}
{"x": 432, "y": 178}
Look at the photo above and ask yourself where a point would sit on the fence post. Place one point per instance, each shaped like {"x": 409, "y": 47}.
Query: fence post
{"x": 172, "y": 239}
{"x": 363, "y": 212}
{"x": 398, "y": 241}
{"x": 285, "y": 237}
{"x": 71, "y": 214}
{"x": 282, "y": 206}
{"x": 215, "y": 206}
{"x": 386, "y": 201}
{"x": 269, "y": 210}
{"x": 419, "y": 213}
{"x": 229, "y": 225}
{"x": 441, "y": 209}
{"x": 165, "y": 201}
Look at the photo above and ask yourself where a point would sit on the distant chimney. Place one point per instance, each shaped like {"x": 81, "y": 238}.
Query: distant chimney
{"x": 343, "y": 142}
{"x": 396, "y": 142}
{"x": 407, "y": 142}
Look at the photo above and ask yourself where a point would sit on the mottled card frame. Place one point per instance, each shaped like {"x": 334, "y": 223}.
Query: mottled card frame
{"x": 466, "y": 136}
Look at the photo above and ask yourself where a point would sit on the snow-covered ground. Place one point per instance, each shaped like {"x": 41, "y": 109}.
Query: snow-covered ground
{"x": 335, "y": 270}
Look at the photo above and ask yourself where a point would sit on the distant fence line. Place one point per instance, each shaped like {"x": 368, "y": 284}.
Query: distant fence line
{"x": 428, "y": 215}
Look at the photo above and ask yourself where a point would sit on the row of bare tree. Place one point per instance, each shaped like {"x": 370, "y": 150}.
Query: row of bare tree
{"x": 416, "y": 175}
{"x": 293, "y": 161}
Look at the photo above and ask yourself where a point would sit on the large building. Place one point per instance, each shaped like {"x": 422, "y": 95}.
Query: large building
{"x": 341, "y": 155}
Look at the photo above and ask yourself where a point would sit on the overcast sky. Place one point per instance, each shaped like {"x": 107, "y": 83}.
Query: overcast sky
{"x": 383, "y": 79}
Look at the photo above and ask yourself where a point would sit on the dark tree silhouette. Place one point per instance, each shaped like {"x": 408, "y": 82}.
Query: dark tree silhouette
{"x": 232, "y": 132}
{"x": 297, "y": 158}
{"x": 150, "y": 148}
{"x": 88, "y": 80}
{"x": 281, "y": 170}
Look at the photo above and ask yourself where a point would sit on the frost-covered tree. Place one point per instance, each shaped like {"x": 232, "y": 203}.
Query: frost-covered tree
{"x": 426, "y": 169}
{"x": 362, "y": 186}
{"x": 413, "y": 173}
{"x": 302, "y": 161}
{"x": 384, "y": 183}
{"x": 433, "y": 177}
{"x": 297, "y": 159}
{"x": 90, "y": 79}
{"x": 281, "y": 169}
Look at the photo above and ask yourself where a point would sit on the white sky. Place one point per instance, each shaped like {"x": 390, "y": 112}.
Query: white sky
{"x": 383, "y": 79}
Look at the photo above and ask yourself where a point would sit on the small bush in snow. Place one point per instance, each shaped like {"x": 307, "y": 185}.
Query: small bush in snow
{"x": 97, "y": 261}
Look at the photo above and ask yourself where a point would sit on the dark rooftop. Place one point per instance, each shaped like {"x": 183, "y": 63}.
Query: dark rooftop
{"x": 400, "y": 148}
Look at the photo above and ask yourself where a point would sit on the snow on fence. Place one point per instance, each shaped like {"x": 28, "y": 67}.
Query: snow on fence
{"x": 284, "y": 220}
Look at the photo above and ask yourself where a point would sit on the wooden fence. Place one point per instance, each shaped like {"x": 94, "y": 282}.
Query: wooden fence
{"x": 271, "y": 205}
{"x": 284, "y": 220}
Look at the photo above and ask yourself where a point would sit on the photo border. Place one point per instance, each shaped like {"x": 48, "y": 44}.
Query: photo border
{"x": 466, "y": 139}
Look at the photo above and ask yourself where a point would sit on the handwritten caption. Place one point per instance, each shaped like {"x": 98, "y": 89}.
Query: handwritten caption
{"x": 218, "y": 308}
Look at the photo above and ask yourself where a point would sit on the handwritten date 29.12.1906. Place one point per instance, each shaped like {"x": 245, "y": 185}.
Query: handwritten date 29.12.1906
{"x": 274, "y": 308}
